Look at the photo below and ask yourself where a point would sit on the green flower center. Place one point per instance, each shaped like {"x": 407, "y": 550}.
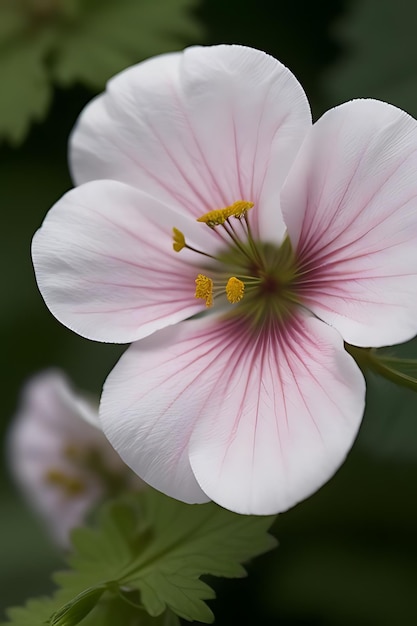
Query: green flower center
{"x": 257, "y": 278}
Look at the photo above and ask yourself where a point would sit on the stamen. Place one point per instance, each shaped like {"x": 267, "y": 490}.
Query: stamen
{"x": 179, "y": 240}
{"x": 240, "y": 208}
{"x": 219, "y": 216}
{"x": 235, "y": 290}
{"x": 214, "y": 218}
{"x": 204, "y": 289}
{"x": 70, "y": 486}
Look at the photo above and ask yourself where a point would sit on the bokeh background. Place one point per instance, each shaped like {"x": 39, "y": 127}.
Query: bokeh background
{"x": 348, "y": 555}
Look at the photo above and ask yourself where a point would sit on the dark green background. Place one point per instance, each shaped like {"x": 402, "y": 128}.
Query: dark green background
{"x": 348, "y": 555}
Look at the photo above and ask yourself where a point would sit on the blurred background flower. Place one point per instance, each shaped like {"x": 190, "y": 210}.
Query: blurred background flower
{"x": 348, "y": 555}
{"x": 59, "y": 456}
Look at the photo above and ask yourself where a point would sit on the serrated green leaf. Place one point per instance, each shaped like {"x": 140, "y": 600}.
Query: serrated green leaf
{"x": 201, "y": 538}
{"x": 189, "y": 541}
{"x": 149, "y": 553}
{"x": 184, "y": 595}
{"x": 380, "y": 59}
{"x": 36, "y": 612}
{"x": 102, "y": 554}
{"x": 162, "y": 547}
{"x": 110, "y": 36}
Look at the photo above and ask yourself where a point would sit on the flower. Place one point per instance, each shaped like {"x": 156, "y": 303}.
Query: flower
{"x": 59, "y": 456}
{"x": 238, "y": 246}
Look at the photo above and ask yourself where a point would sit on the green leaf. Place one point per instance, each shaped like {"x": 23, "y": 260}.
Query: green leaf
{"x": 78, "y": 41}
{"x": 162, "y": 547}
{"x": 36, "y": 612}
{"x": 109, "y": 36}
{"x": 203, "y": 538}
{"x": 146, "y": 557}
{"x": 76, "y": 609}
{"x": 26, "y": 91}
{"x": 102, "y": 555}
{"x": 11, "y": 24}
{"x": 110, "y": 611}
{"x": 380, "y": 58}
{"x": 400, "y": 371}
{"x": 183, "y": 594}
{"x": 113, "y": 611}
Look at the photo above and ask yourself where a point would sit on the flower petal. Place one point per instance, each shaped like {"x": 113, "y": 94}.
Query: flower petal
{"x": 350, "y": 204}
{"x": 139, "y": 416}
{"x": 199, "y": 129}
{"x": 264, "y": 422}
{"x": 105, "y": 265}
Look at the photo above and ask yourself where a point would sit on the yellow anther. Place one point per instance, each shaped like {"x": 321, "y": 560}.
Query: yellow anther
{"x": 219, "y": 216}
{"x": 70, "y": 486}
{"x": 204, "y": 289}
{"x": 179, "y": 240}
{"x": 235, "y": 290}
{"x": 239, "y": 208}
{"x": 214, "y": 218}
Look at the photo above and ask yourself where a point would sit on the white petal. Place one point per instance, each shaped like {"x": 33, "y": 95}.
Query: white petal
{"x": 105, "y": 265}
{"x": 350, "y": 204}
{"x": 139, "y": 416}
{"x": 264, "y": 422}
{"x": 199, "y": 129}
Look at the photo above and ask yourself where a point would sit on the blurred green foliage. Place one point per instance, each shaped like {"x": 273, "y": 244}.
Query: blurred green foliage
{"x": 348, "y": 554}
{"x": 380, "y": 60}
{"x": 47, "y": 42}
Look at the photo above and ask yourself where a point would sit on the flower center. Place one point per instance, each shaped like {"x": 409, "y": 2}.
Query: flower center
{"x": 71, "y": 486}
{"x": 257, "y": 277}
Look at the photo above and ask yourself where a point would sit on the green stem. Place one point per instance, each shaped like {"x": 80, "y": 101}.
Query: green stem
{"x": 369, "y": 359}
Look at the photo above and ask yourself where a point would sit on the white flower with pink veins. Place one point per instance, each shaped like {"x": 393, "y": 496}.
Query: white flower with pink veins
{"x": 238, "y": 246}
